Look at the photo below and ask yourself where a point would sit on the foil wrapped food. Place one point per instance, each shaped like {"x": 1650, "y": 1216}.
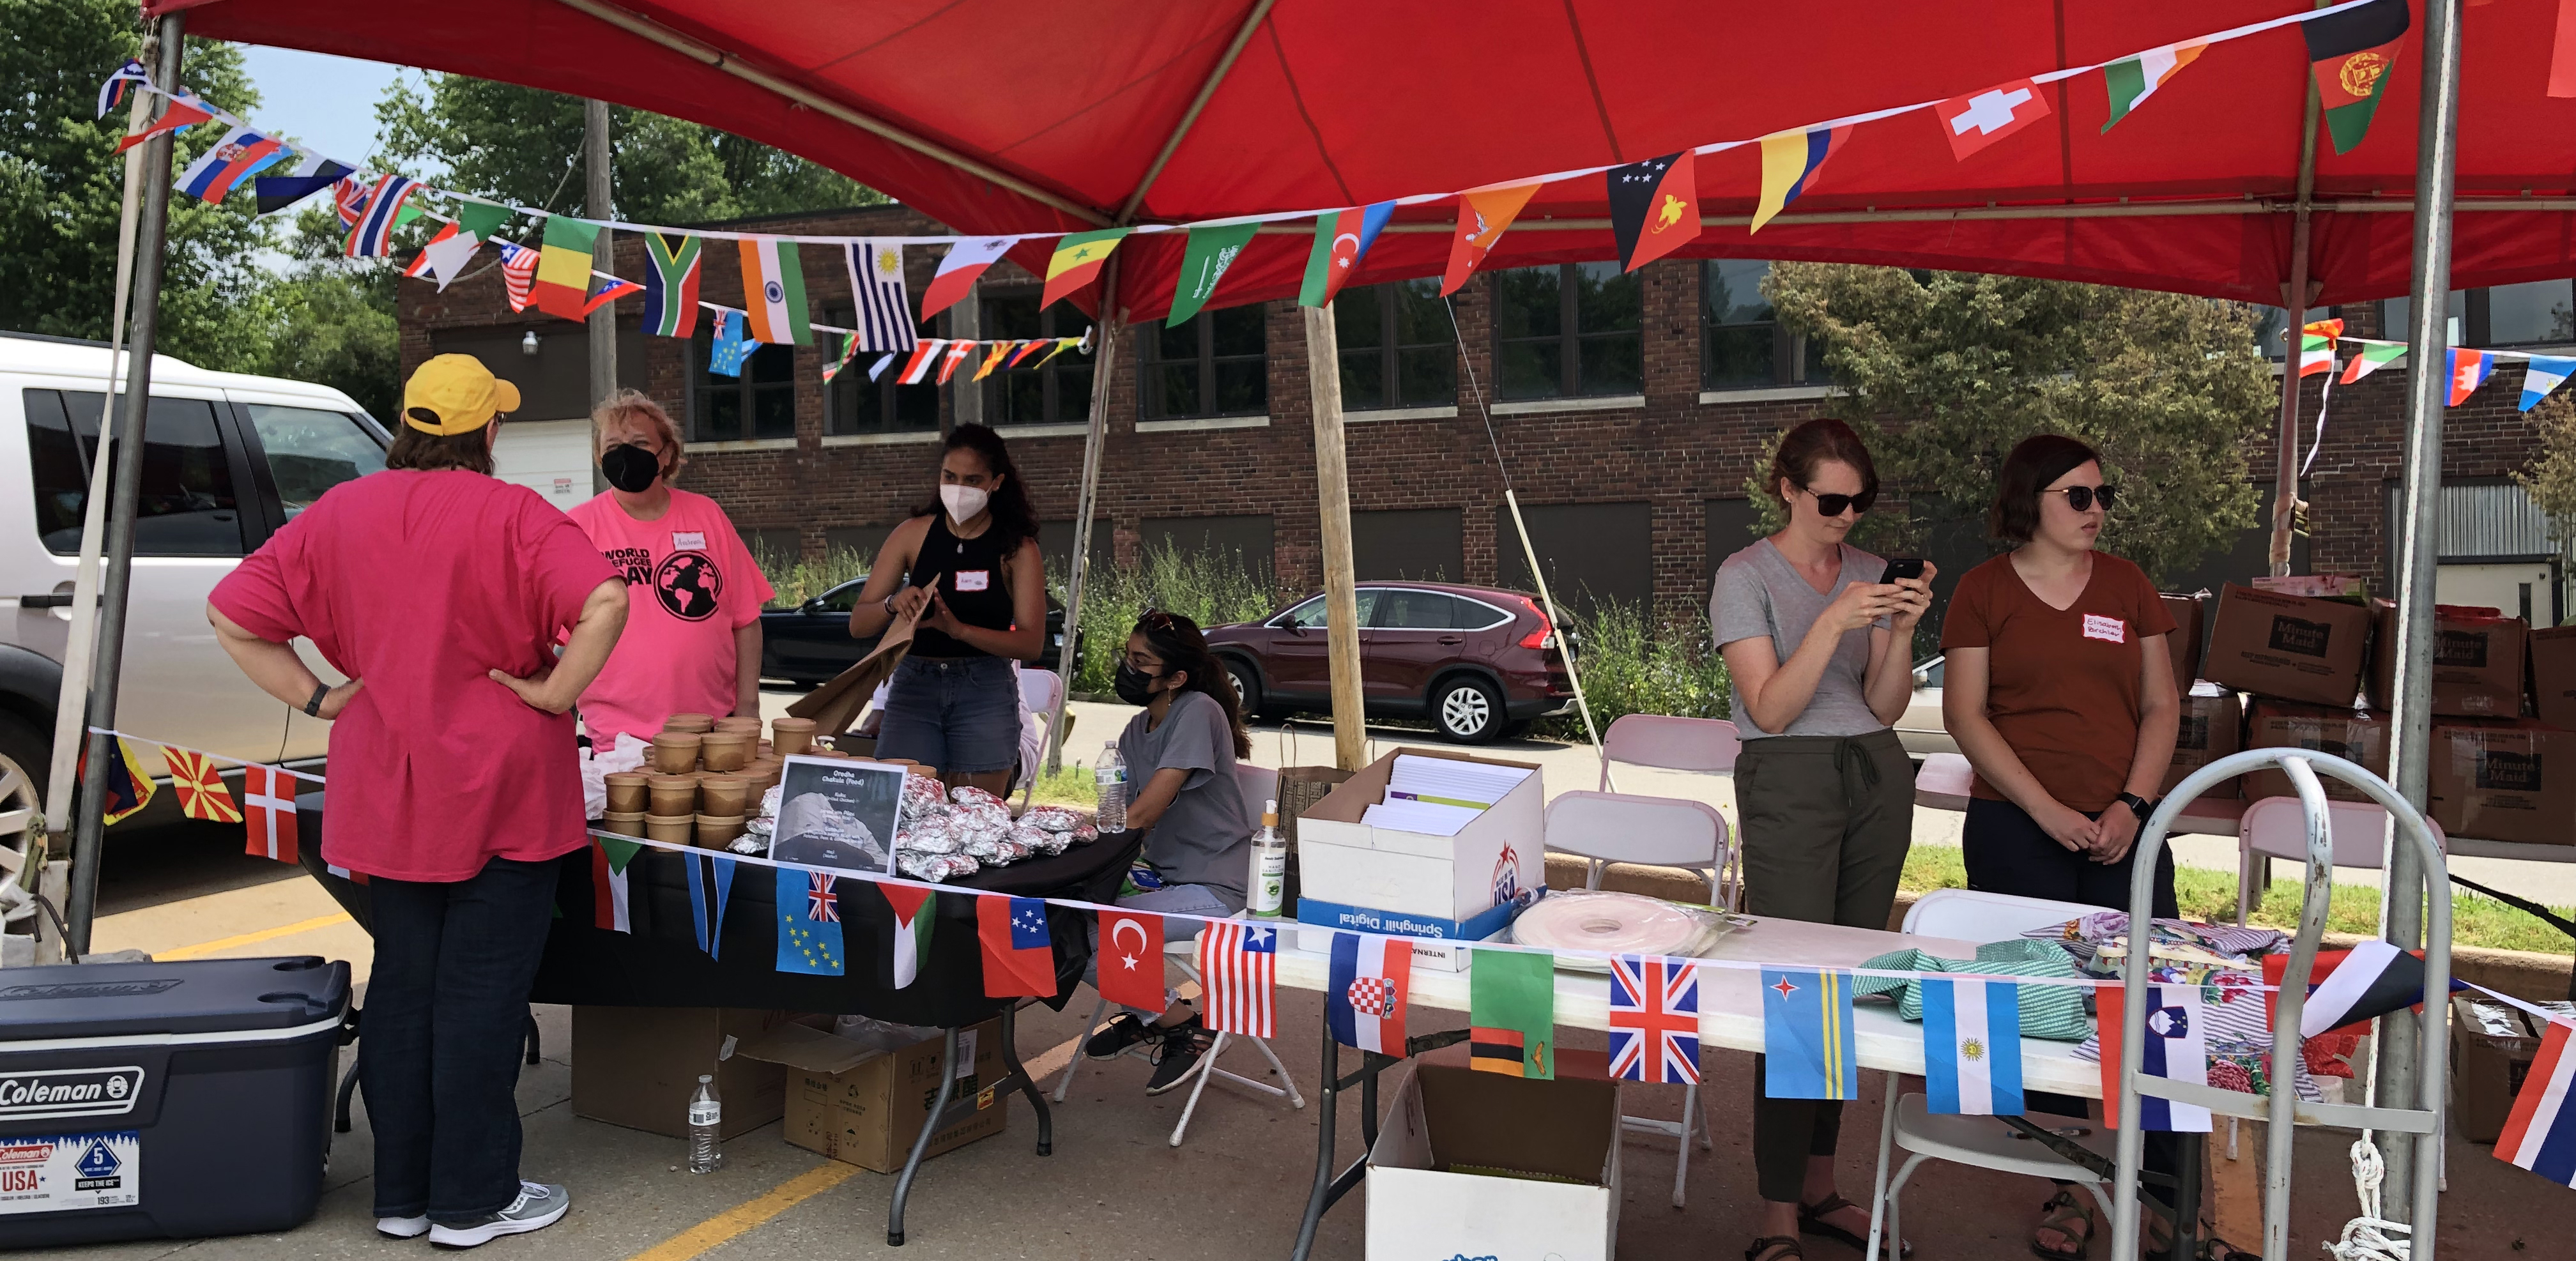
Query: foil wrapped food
{"x": 935, "y": 867}
{"x": 1052, "y": 818}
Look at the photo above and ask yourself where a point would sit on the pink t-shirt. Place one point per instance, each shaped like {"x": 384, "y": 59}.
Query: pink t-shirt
{"x": 690, "y": 584}
{"x": 417, "y": 584}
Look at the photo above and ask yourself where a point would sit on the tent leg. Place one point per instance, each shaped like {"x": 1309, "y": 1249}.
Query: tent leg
{"x": 152, "y": 228}
{"x": 2294, "y": 300}
{"x": 1333, "y": 516}
{"x": 1105, "y": 332}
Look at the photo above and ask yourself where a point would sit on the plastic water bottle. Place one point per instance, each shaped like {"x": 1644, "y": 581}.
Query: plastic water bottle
{"x": 1269, "y": 883}
{"x": 706, "y": 1116}
{"x": 1110, "y": 776}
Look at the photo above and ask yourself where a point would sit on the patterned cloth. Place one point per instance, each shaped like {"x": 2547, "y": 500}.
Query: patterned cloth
{"x": 2054, "y": 1012}
{"x": 2084, "y": 937}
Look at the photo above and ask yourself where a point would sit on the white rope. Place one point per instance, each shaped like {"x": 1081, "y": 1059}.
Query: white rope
{"x": 2370, "y": 1237}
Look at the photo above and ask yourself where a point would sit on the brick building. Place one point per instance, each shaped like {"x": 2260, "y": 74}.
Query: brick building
{"x": 1629, "y": 410}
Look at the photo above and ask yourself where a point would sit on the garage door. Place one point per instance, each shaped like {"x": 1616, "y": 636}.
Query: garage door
{"x": 550, "y": 457}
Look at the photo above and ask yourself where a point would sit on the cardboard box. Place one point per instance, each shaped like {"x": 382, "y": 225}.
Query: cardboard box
{"x": 2322, "y": 586}
{"x": 864, "y": 1106}
{"x": 2289, "y": 646}
{"x": 1429, "y": 953}
{"x": 2492, "y": 1046}
{"x": 2477, "y": 661}
{"x": 2186, "y": 640}
{"x": 2553, "y": 675}
{"x": 1561, "y": 1139}
{"x": 637, "y": 1066}
{"x": 2505, "y": 781}
{"x": 1497, "y": 860}
{"x": 2213, "y": 726}
{"x": 2355, "y": 735}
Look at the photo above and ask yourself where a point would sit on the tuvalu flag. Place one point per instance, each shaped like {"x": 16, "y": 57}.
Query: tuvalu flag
{"x": 1483, "y": 214}
{"x": 1807, "y": 1040}
{"x": 1790, "y": 162}
{"x": 1511, "y": 1013}
{"x": 1019, "y": 951}
{"x": 1342, "y": 239}
{"x": 200, "y": 787}
{"x": 1204, "y": 261}
{"x": 1654, "y": 207}
{"x": 1077, "y": 260}
{"x": 773, "y": 292}
{"x": 2350, "y": 54}
{"x": 809, "y": 923}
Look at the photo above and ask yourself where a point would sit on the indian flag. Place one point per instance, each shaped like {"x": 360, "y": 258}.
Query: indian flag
{"x": 2132, "y": 80}
{"x": 2317, "y": 347}
{"x": 773, "y": 291}
{"x": 915, "y": 910}
{"x": 2373, "y": 357}
{"x": 608, "y": 902}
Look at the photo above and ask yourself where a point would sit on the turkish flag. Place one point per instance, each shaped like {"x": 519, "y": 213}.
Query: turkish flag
{"x": 1981, "y": 118}
{"x": 1019, "y": 952}
{"x": 1131, "y": 968}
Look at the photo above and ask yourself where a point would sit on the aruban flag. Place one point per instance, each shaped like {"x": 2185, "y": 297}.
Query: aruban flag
{"x": 1807, "y": 1035}
{"x": 913, "y": 912}
{"x": 809, "y": 924}
{"x": 2543, "y": 374}
{"x": 239, "y": 155}
{"x": 1654, "y": 207}
{"x": 610, "y": 907}
{"x": 1483, "y": 214}
{"x": 957, "y": 353}
{"x": 2540, "y": 1133}
{"x": 112, "y": 92}
{"x": 2131, "y": 80}
{"x": 876, "y": 282}
{"x": 1204, "y": 261}
{"x": 2351, "y": 54}
{"x": 1077, "y": 261}
{"x": 1654, "y": 1019}
{"x": 127, "y": 789}
{"x": 1019, "y": 951}
{"x": 671, "y": 284}
{"x": 1131, "y": 969}
{"x": 1790, "y": 161}
{"x": 200, "y": 787}
{"x": 726, "y": 353}
{"x": 1972, "y": 1046}
{"x": 707, "y": 898}
{"x": 2373, "y": 357}
{"x": 2469, "y": 369}
{"x": 518, "y": 273}
{"x": 183, "y": 111}
{"x": 924, "y": 354}
{"x": 773, "y": 291}
{"x": 312, "y": 175}
{"x": 1342, "y": 239}
{"x": 2317, "y": 346}
{"x": 993, "y": 359}
{"x": 372, "y": 236}
{"x": 2176, "y": 1049}
{"x": 1981, "y": 118}
{"x": 1238, "y": 964}
{"x": 445, "y": 256}
{"x": 1365, "y": 1001}
{"x": 268, "y": 804}
{"x": 1511, "y": 1013}
{"x": 957, "y": 272}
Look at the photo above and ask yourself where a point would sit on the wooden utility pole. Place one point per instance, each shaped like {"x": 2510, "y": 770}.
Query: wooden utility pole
{"x": 603, "y": 255}
{"x": 1333, "y": 510}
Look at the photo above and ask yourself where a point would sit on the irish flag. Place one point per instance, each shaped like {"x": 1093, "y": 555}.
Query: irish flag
{"x": 608, "y": 904}
{"x": 2131, "y": 80}
{"x": 773, "y": 291}
{"x": 914, "y": 912}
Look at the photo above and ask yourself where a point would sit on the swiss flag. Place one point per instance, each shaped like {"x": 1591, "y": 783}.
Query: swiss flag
{"x": 1131, "y": 968}
{"x": 268, "y": 806}
{"x": 1981, "y": 118}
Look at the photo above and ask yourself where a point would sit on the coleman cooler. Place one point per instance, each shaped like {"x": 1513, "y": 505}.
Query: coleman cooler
{"x": 143, "y": 1100}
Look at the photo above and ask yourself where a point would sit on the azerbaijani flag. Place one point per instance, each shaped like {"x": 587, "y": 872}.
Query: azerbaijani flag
{"x": 1077, "y": 261}
{"x": 957, "y": 272}
{"x": 1342, "y": 239}
{"x": 773, "y": 291}
{"x": 2317, "y": 346}
{"x": 2131, "y": 80}
{"x": 1790, "y": 160}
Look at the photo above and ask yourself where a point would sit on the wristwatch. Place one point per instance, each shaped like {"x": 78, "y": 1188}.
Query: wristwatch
{"x": 2137, "y": 805}
{"x": 313, "y": 707}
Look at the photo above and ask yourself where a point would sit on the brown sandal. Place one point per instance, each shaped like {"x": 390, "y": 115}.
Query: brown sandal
{"x": 2061, "y": 1212}
{"x": 1789, "y": 1243}
{"x": 1811, "y": 1221}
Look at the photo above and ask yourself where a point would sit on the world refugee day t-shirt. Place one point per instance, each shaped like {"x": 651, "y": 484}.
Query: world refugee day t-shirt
{"x": 690, "y": 584}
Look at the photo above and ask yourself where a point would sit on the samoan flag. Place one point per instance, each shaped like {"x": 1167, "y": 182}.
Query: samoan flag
{"x": 1972, "y": 1046}
{"x": 239, "y": 155}
{"x": 312, "y": 175}
{"x": 2540, "y": 1133}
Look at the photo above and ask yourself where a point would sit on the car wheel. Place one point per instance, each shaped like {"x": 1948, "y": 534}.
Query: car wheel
{"x": 1247, "y": 684}
{"x": 1467, "y": 709}
{"x": 26, "y": 760}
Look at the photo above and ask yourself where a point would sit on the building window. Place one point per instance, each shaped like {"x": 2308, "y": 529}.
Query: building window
{"x": 854, "y": 404}
{"x": 1742, "y": 344}
{"x": 2538, "y": 313}
{"x": 1398, "y": 349}
{"x": 2272, "y": 329}
{"x": 1569, "y": 331}
{"x": 1058, "y": 393}
{"x": 761, "y": 403}
{"x": 1217, "y": 364}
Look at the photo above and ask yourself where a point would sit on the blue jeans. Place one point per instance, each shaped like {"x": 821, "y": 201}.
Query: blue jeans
{"x": 960, "y": 715}
{"x": 1183, "y": 899}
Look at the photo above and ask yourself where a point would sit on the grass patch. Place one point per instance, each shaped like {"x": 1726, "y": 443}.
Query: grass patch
{"x": 795, "y": 579}
{"x": 1627, "y": 667}
{"x": 1069, "y": 785}
{"x": 1211, "y": 590}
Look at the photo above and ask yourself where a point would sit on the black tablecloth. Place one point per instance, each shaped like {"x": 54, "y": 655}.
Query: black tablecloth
{"x": 658, "y": 963}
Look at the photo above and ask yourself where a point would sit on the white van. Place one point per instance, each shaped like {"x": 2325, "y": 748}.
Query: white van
{"x": 227, "y": 460}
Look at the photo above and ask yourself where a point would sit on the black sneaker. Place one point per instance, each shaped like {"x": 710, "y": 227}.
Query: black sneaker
{"x": 1123, "y": 1031}
{"x": 1182, "y": 1046}
{"x": 537, "y": 1207}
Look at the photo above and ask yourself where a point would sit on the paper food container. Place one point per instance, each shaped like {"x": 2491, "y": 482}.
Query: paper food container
{"x": 1498, "y": 860}
{"x": 1482, "y": 1165}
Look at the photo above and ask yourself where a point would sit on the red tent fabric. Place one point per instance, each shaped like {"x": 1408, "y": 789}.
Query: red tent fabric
{"x": 1341, "y": 102}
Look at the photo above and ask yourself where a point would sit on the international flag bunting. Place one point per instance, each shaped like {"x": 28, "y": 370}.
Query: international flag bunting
{"x": 2350, "y": 54}
{"x": 849, "y": 352}
{"x": 876, "y": 282}
{"x": 563, "y": 267}
{"x": 1483, "y": 215}
{"x": 1204, "y": 261}
{"x": 956, "y": 354}
{"x": 2317, "y": 347}
{"x": 122, "y": 80}
{"x": 1365, "y": 1001}
{"x": 1077, "y": 261}
{"x": 2372, "y": 358}
{"x": 1238, "y": 965}
{"x": 1654, "y": 207}
{"x": 773, "y": 291}
{"x": 809, "y": 923}
{"x": 993, "y": 359}
{"x": 1131, "y": 967}
{"x": 200, "y": 787}
{"x": 924, "y": 355}
{"x": 671, "y": 284}
{"x": 1972, "y": 1046}
{"x": 2543, "y": 374}
{"x": 1021, "y": 355}
{"x": 372, "y": 236}
{"x": 310, "y": 176}
{"x": 726, "y": 353}
{"x": 878, "y": 369}
{"x": 2540, "y": 1133}
{"x": 913, "y": 911}
{"x": 268, "y": 807}
{"x": 1790, "y": 161}
{"x": 1019, "y": 951}
{"x": 239, "y": 155}
{"x": 2131, "y": 80}
{"x": 2469, "y": 369}
{"x": 1807, "y": 1039}
{"x": 127, "y": 789}
{"x": 182, "y": 111}
{"x": 1511, "y": 1013}
{"x": 1654, "y": 1019}
{"x": 1981, "y": 118}
{"x": 518, "y": 273}
{"x": 1062, "y": 344}
{"x": 444, "y": 258}
{"x": 2177, "y": 1049}
{"x": 1342, "y": 239}
{"x": 707, "y": 897}
{"x": 2349, "y": 988}
{"x": 955, "y": 278}
{"x": 611, "y": 905}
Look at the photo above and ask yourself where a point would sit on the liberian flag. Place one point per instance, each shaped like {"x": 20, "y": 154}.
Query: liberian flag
{"x": 2469, "y": 369}
{"x": 957, "y": 272}
{"x": 671, "y": 284}
{"x": 1342, "y": 239}
{"x": 1654, "y": 1019}
{"x": 1972, "y": 1047}
{"x": 1790, "y": 161}
{"x": 609, "y": 907}
{"x": 1238, "y": 962}
{"x": 773, "y": 291}
{"x": 1371, "y": 979}
{"x": 957, "y": 352}
{"x": 268, "y": 798}
{"x": 2176, "y": 1050}
{"x": 2543, "y": 374}
{"x": 2540, "y": 1132}
{"x": 2131, "y": 80}
{"x": 200, "y": 787}
{"x": 372, "y": 236}
{"x": 239, "y": 155}
{"x": 2373, "y": 357}
{"x": 2317, "y": 346}
{"x": 913, "y": 913}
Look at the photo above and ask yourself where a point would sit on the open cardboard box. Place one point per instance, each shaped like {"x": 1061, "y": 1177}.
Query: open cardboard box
{"x": 864, "y": 1106}
{"x": 2293, "y": 647}
{"x": 1467, "y": 887}
{"x": 1484, "y": 1165}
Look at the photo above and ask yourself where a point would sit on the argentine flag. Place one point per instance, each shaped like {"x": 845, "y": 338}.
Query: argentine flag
{"x": 2543, "y": 374}
{"x": 1972, "y": 1047}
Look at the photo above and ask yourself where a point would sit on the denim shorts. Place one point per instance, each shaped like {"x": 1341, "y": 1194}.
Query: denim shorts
{"x": 961, "y": 715}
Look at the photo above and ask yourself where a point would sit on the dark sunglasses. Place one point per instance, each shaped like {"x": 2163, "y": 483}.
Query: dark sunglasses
{"x": 2081, "y": 498}
{"x": 1835, "y": 505}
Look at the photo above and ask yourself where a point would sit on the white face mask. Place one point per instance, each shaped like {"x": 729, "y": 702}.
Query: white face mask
{"x": 963, "y": 502}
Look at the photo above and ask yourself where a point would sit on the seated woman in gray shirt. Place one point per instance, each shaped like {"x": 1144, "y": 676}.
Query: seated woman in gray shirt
{"x": 1180, "y": 756}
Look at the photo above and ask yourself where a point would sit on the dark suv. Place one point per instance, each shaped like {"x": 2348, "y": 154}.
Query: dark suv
{"x": 1479, "y": 662}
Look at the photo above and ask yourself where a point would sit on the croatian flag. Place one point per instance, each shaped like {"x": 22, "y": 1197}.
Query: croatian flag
{"x": 2176, "y": 1050}
{"x": 239, "y": 155}
{"x": 1372, "y": 977}
{"x": 1237, "y": 964}
{"x": 1654, "y": 1019}
{"x": 1972, "y": 1047}
{"x": 2540, "y": 1132}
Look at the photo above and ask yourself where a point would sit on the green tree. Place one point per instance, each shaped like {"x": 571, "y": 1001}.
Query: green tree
{"x": 1945, "y": 371}
{"x": 2550, "y": 478}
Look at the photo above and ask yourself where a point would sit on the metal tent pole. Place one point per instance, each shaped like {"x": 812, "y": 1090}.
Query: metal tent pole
{"x": 1106, "y": 332}
{"x": 597, "y": 196}
{"x": 1333, "y": 518}
{"x": 152, "y": 230}
{"x": 2294, "y": 300}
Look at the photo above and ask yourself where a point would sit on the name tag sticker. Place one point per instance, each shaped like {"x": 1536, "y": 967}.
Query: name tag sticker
{"x": 688, "y": 540}
{"x": 2112, "y": 629}
{"x": 974, "y": 579}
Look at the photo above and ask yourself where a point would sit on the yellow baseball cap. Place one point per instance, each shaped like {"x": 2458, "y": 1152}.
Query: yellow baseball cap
{"x": 453, "y": 394}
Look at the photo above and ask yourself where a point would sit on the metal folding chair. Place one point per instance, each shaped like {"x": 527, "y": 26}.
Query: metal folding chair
{"x": 1707, "y": 745}
{"x": 2276, "y": 827}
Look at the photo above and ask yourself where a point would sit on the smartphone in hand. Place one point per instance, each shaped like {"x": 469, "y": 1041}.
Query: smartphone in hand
{"x": 1901, "y": 567}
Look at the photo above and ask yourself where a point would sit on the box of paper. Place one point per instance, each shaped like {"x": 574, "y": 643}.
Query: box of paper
{"x": 1360, "y": 846}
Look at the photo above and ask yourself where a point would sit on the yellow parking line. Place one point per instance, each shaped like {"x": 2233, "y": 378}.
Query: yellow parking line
{"x": 742, "y": 1218}
{"x": 249, "y": 939}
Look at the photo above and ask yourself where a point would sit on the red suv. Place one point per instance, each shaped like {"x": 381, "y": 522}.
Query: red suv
{"x": 1479, "y": 662}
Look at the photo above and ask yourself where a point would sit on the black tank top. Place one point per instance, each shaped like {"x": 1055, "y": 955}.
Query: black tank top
{"x": 969, "y": 574}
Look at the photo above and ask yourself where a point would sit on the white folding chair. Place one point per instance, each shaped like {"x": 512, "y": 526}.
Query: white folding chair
{"x": 1603, "y": 828}
{"x": 1708, "y": 745}
{"x": 1986, "y": 1143}
{"x": 2275, "y": 827}
{"x": 1038, "y": 690}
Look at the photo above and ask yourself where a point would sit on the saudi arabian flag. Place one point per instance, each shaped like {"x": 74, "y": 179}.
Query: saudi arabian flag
{"x": 2373, "y": 357}
{"x": 2131, "y": 80}
{"x": 609, "y": 907}
{"x": 1511, "y": 1013}
{"x": 1210, "y": 252}
{"x": 914, "y": 910}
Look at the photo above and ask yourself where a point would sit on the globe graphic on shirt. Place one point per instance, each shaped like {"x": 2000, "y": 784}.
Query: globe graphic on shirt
{"x": 688, "y": 584}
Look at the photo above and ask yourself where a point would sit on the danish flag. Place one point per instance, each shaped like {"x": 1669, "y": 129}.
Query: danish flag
{"x": 268, "y": 798}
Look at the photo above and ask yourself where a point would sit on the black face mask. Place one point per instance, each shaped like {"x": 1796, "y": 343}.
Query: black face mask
{"x": 630, "y": 468}
{"x": 1133, "y": 684}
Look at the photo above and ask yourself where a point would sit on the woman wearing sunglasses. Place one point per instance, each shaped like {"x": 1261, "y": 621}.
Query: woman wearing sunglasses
{"x": 2060, "y": 692}
{"x": 1818, "y": 649}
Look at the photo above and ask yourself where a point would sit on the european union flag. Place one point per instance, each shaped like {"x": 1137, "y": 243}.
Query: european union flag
{"x": 808, "y": 943}
{"x": 1029, "y": 924}
{"x": 1807, "y": 1036}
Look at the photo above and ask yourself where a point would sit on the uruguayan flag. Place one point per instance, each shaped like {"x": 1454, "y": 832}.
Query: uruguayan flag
{"x": 876, "y": 284}
{"x": 1972, "y": 1046}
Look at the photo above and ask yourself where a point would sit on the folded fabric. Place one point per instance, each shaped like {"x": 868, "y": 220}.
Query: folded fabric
{"x": 2085, "y": 935}
{"x": 2054, "y": 1012}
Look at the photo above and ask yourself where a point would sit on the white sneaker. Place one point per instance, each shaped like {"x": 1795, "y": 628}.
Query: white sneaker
{"x": 403, "y": 1227}
{"x": 538, "y": 1206}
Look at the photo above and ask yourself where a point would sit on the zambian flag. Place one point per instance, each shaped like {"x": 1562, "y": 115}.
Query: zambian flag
{"x": 1077, "y": 261}
{"x": 1511, "y": 1013}
{"x": 2351, "y": 54}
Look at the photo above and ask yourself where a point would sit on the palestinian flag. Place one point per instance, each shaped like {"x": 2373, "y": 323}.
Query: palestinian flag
{"x": 671, "y": 286}
{"x": 1654, "y": 207}
{"x": 200, "y": 787}
{"x": 2351, "y": 54}
{"x": 2131, "y": 80}
{"x": 2317, "y": 346}
{"x": 1204, "y": 262}
{"x": 609, "y": 907}
{"x": 914, "y": 910}
{"x": 1342, "y": 239}
{"x": 1077, "y": 261}
{"x": 2373, "y": 357}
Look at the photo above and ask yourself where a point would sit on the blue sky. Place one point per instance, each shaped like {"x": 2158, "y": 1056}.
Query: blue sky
{"x": 326, "y": 102}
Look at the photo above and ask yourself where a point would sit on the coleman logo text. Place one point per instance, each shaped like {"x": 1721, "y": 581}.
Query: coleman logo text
{"x": 72, "y": 1092}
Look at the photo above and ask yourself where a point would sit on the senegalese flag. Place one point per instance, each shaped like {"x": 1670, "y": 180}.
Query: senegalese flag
{"x": 1654, "y": 207}
{"x": 2351, "y": 54}
{"x": 1511, "y": 1013}
{"x": 1204, "y": 261}
{"x": 563, "y": 268}
{"x": 773, "y": 291}
{"x": 1342, "y": 239}
{"x": 200, "y": 787}
{"x": 2373, "y": 357}
{"x": 2131, "y": 80}
{"x": 671, "y": 286}
{"x": 127, "y": 789}
{"x": 914, "y": 910}
{"x": 610, "y": 907}
{"x": 2317, "y": 346}
{"x": 1077, "y": 261}
{"x": 1790, "y": 162}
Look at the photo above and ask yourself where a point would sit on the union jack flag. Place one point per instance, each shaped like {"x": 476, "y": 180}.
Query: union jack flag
{"x": 349, "y": 197}
{"x": 1654, "y": 1019}
{"x": 822, "y": 905}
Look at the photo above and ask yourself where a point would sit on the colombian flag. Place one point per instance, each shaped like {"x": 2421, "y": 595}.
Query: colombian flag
{"x": 1790, "y": 160}
{"x": 1077, "y": 261}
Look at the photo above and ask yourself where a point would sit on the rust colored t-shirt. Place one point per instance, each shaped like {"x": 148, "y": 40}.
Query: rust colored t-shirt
{"x": 2062, "y": 685}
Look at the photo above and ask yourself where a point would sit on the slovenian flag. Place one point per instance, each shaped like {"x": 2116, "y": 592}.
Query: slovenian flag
{"x": 2177, "y": 1049}
{"x": 239, "y": 155}
{"x": 2540, "y": 1133}
{"x": 2543, "y": 374}
{"x": 2131, "y": 80}
{"x": 1972, "y": 1047}
{"x": 1365, "y": 1003}
{"x": 2469, "y": 369}
{"x": 112, "y": 92}
{"x": 1342, "y": 239}
{"x": 955, "y": 278}
{"x": 773, "y": 291}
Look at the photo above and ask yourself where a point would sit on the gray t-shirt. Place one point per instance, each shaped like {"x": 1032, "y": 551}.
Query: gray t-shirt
{"x": 1205, "y": 836}
{"x": 1760, "y": 594}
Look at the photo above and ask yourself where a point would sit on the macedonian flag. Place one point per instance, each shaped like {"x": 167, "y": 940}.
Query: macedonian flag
{"x": 2352, "y": 54}
{"x": 200, "y": 787}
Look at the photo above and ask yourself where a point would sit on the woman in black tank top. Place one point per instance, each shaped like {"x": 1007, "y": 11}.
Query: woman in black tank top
{"x": 967, "y": 566}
